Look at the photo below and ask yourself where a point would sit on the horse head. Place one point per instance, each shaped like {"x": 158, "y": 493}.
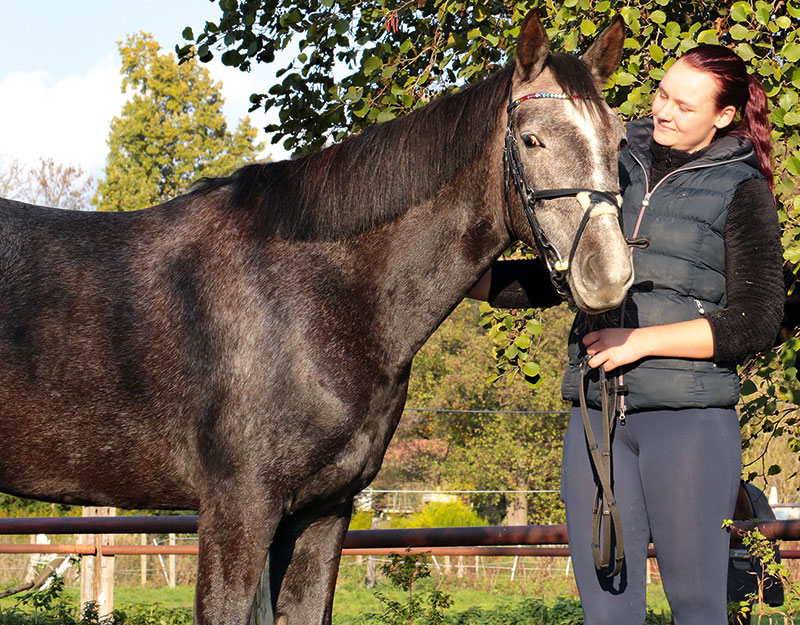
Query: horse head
{"x": 561, "y": 151}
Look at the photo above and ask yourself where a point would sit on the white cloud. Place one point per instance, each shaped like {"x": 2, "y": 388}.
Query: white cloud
{"x": 66, "y": 119}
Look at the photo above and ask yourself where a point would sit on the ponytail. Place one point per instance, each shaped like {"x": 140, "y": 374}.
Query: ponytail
{"x": 755, "y": 125}
{"x": 737, "y": 88}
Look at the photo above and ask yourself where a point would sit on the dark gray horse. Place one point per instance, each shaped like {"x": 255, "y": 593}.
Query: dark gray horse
{"x": 244, "y": 349}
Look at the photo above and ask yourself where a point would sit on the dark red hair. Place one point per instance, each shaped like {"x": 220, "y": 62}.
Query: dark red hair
{"x": 737, "y": 88}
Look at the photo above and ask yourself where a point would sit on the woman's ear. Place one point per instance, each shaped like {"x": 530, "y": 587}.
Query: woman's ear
{"x": 725, "y": 117}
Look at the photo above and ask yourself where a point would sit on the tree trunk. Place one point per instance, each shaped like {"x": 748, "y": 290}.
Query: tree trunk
{"x": 517, "y": 513}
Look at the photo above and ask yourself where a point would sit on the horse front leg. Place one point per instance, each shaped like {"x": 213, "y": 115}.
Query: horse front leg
{"x": 304, "y": 563}
{"x": 235, "y": 534}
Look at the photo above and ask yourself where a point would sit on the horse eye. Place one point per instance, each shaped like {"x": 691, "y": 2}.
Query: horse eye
{"x": 531, "y": 141}
{"x": 623, "y": 144}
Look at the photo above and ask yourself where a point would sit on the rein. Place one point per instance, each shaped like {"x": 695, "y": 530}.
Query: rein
{"x": 513, "y": 172}
{"x": 605, "y": 515}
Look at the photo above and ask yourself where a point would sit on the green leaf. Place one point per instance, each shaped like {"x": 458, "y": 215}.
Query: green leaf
{"x": 571, "y": 41}
{"x": 739, "y": 32}
{"x": 632, "y": 44}
{"x": 624, "y": 78}
{"x": 791, "y": 119}
{"x": 187, "y": 33}
{"x": 774, "y": 470}
{"x": 656, "y": 53}
{"x": 708, "y": 36}
{"x": 791, "y": 52}
{"x": 745, "y": 51}
{"x": 741, "y": 11}
{"x": 371, "y": 64}
{"x": 342, "y": 26}
{"x": 792, "y": 255}
{"x": 530, "y": 369}
{"x": 670, "y": 42}
{"x": 361, "y": 112}
{"x": 588, "y": 27}
{"x": 783, "y": 22}
{"x": 763, "y": 14}
{"x": 385, "y": 116}
{"x": 658, "y": 17}
{"x": 672, "y": 29}
{"x": 748, "y": 387}
{"x": 523, "y": 341}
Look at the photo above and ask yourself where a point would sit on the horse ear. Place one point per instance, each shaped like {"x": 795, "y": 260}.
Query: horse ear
{"x": 533, "y": 47}
{"x": 605, "y": 53}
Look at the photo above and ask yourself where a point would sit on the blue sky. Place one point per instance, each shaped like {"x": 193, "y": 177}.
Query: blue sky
{"x": 59, "y": 73}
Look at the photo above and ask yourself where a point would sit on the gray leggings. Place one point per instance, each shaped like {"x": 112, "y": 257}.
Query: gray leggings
{"x": 676, "y": 476}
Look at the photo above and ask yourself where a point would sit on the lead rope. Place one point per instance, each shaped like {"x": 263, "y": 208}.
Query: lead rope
{"x": 605, "y": 515}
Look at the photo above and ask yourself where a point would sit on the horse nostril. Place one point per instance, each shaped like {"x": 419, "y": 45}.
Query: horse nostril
{"x": 590, "y": 276}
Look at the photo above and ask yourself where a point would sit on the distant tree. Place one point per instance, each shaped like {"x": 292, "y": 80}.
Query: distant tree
{"x": 12, "y": 178}
{"x": 171, "y": 132}
{"x": 47, "y": 184}
{"x": 60, "y": 186}
{"x": 491, "y": 449}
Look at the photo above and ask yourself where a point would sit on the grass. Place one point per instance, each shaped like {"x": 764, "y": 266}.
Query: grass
{"x": 475, "y": 600}
{"x": 353, "y": 599}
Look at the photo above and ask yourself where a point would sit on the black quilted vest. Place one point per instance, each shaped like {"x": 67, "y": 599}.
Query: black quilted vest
{"x": 680, "y": 276}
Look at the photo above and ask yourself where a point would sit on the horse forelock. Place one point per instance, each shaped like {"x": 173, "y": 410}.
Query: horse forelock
{"x": 373, "y": 177}
{"x": 575, "y": 79}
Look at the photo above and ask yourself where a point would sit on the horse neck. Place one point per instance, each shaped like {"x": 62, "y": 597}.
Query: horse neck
{"x": 419, "y": 267}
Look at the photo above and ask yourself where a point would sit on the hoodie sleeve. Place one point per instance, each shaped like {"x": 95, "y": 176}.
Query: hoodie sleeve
{"x": 751, "y": 320}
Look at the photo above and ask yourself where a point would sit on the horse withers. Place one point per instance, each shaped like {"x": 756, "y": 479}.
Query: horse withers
{"x": 244, "y": 349}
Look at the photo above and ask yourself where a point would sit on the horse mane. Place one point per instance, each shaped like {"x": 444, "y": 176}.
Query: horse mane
{"x": 374, "y": 177}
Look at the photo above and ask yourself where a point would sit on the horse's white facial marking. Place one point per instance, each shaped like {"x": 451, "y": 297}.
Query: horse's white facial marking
{"x": 588, "y": 129}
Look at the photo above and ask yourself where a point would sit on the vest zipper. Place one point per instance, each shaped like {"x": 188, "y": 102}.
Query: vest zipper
{"x": 645, "y": 203}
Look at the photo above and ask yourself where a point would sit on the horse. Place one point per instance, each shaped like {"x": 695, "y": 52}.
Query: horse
{"x": 244, "y": 349}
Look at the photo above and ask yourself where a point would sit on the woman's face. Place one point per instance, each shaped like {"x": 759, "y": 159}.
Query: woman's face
{"x": 685, "y": 116}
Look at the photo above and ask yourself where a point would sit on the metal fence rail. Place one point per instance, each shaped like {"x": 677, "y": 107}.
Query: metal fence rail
{"x": 355, "y": 539}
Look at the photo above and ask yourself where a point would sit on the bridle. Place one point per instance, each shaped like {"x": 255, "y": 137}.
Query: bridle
{"x": 513, "y": 171}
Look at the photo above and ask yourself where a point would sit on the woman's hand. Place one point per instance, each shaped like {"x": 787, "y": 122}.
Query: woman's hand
{"x": 614, "y": 347}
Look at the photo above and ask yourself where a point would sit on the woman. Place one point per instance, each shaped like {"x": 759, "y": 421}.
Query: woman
{"x": 708, "y": 291}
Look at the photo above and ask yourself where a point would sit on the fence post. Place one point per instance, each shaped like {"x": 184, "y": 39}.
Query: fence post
{"x": 172, "y": 563}
{"x": 97, "y": 572}
{"x": 143, "y": 563}
{"x": 371, "y": 579}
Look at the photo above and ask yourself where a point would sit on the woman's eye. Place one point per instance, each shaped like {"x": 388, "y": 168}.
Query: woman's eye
{"x": 531, "y": 141}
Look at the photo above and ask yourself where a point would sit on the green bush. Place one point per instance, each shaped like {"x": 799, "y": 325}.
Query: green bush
{"x": 439, "y": 514}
